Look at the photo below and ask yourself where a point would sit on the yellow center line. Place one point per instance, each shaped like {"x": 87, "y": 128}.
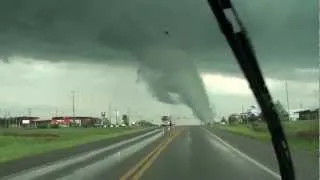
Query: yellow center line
{"x": 142, "y": 161}
{"x": 153, "y": 158}
{"x": 146, "y": 158}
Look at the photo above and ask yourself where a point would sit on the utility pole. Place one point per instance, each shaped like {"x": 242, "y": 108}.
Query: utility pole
{"x": 110, "y": 115}
{"x": 116, "y": 116}
{"x": 73, "y": 103}
{"x": 287, "y": 95}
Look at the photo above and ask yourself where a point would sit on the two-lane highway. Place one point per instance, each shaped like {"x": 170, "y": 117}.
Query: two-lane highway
{"x": 184, "y": 153}
{"x": 194, "y": 153}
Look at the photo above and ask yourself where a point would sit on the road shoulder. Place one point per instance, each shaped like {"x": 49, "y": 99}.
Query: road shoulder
{"x": 306, "y": 164}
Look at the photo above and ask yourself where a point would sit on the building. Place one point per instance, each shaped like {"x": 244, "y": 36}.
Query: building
{"x": 294, "y": 114}
{"x": 308, "y": 114}
{"x": 61, "y": 121}
{"x": 41, "y": 122}
{"x": 18, "y": 121}
{"x": 80, "y": 121}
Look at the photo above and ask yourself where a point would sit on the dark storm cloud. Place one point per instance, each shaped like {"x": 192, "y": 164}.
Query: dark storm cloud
{"x": 283, "y": 32}
{"x": 93, "y": 28}
{"x": 5, "y": 59}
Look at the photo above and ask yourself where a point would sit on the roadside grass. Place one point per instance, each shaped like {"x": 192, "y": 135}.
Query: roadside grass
{"x": 300, "y": 135}
{"x": 16, "y": 143}
{"x": 245, "y": 131}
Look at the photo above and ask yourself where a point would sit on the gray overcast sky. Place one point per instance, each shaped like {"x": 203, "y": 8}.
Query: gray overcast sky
{"x": 95, "y": 47}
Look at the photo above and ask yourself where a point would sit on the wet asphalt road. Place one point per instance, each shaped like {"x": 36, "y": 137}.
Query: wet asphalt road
{"x": 189, "y": 153}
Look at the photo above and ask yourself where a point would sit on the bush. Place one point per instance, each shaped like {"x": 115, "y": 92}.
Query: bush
{"x": 74, "y": 125}
{"x": 43, "y": 126}
{"x": 54, "y": 126}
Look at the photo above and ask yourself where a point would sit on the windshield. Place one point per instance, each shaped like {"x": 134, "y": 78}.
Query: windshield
{"x": 158, "y": 77}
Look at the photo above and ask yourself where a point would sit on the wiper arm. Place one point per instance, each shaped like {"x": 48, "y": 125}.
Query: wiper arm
{"x": 235, "y": 33}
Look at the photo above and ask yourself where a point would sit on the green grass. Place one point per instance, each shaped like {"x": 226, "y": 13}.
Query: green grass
{"x": 245, "y": 131}
{"x": 300, "y": 135}
{"x": 16, "y": 143}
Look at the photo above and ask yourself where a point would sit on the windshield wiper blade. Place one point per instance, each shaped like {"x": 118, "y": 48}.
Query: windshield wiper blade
{"x": 236, "y": 35}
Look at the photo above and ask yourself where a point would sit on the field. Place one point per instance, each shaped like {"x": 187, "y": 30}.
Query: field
{"x": 300, "y": 134}
{"x": 16, "y": 143}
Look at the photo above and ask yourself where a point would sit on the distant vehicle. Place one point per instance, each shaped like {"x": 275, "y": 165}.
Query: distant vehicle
{"x": 166, "y": 121}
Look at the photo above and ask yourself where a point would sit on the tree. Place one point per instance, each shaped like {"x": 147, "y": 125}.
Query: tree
{"x": 107, "y": 122}
{"x": 282, "y": 112}
{"x": 223, "y": 120}
{"x": 125, "y": 119}
{"x": 233, "y": 119}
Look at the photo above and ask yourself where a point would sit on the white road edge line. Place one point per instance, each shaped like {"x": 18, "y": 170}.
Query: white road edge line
{"x": 250, "y": 159}
{"x": 57, "y": 165}
{"x": 109, "y": 161}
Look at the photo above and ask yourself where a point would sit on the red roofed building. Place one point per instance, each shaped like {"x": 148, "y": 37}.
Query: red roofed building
{"x": 62, "y": 120}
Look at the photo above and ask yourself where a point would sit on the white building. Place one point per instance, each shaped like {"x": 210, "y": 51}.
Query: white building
{"x": 294, "y": 115}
